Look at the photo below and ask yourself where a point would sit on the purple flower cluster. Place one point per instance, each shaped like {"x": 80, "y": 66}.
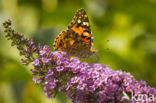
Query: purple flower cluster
{"x": 83, "y": 82}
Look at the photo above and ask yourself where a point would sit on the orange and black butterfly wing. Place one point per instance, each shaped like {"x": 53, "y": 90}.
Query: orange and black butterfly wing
{"x": 59, "y": 43}
{"x": 77, "y": 39}
{"x": 80, "y": 19}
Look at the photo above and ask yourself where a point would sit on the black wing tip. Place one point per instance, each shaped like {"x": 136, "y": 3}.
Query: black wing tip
{"x": 81, "y": 10}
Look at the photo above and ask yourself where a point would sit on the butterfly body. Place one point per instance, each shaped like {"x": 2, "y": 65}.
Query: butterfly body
{"x": 77, "y": 40}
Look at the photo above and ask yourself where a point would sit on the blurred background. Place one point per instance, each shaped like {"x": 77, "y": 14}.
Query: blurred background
{"x": 124, "y": 35}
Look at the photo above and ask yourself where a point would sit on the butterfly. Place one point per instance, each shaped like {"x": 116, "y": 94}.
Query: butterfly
{"x": 77, "y": 40}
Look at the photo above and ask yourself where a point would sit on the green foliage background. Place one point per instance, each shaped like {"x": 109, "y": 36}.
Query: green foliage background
{"x": 124, "y": 36}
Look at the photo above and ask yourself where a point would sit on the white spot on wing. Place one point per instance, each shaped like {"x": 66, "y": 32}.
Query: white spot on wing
{"x": 79, "y": 21}
{"x": 86, "y": 23}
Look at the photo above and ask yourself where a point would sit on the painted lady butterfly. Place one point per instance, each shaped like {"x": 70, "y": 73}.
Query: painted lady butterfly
{"x": 77, "y": 40}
